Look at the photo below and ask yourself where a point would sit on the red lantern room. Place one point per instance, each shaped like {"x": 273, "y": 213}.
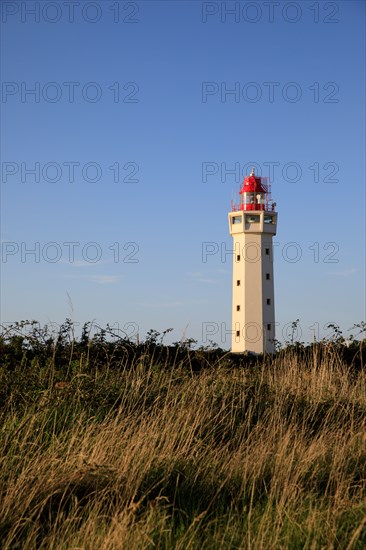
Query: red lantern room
{"x": 255, "y": 194}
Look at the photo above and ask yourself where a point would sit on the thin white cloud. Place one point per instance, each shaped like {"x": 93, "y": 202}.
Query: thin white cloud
{"x": 99, "y": 279}
{"x": 83, "y": 263}
{"x": 346, "y": 272}
{"x": 207, "y": 280}
{"x": 104, "y": 279}
{"x": 200, "y": 277}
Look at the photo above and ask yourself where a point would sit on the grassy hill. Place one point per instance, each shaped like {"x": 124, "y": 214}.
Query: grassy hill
{"x": 109, "y": 444}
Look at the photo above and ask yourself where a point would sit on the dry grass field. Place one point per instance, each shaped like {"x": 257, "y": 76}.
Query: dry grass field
{"x": 152, "y": 455}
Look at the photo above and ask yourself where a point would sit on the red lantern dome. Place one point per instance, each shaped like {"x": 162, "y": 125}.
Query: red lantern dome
{"x": 255, "y": 194}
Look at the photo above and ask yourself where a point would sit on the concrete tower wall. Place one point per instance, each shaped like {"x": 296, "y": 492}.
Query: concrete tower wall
{"x": 253, "y": 313}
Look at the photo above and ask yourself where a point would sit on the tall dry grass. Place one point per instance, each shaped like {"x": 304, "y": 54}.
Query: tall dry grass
{"x": 270, "y": 457}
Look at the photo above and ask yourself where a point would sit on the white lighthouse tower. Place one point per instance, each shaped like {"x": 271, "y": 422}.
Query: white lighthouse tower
{"x": 252, "y": 224}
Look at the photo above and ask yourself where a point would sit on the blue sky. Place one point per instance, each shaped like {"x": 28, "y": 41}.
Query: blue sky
{"x": 174, "y": 100}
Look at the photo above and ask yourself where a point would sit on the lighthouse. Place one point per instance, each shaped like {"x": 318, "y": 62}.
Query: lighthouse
{"x": 252, "y": 224}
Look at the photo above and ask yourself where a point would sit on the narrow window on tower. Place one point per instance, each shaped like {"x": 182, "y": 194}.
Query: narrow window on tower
{"x": 267, "y": 251}
{"x": 238, "y": 333}
{"x": 238, "y": 258}
{"x": 268, "y": 276}
{"x": 268, "y": 327}
{"x": 238, "y": 282}
{"x": 237, "y": 308}
{"x": 268, "y": 301}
